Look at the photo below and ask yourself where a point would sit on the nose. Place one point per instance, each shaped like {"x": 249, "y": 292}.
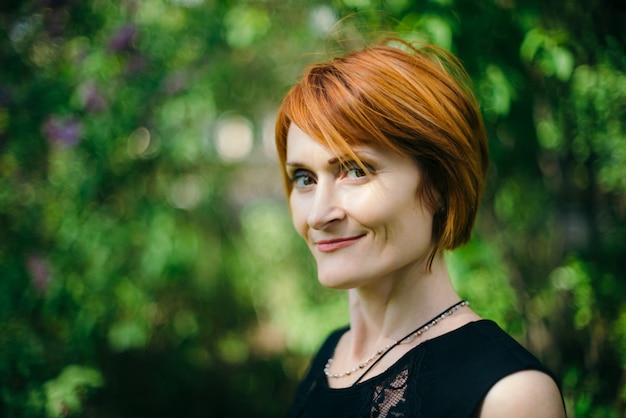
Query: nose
{"x": 326, "y": 209}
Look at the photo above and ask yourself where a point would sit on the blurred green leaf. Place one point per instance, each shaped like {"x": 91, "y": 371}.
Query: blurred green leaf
{"x": 63, "y": 394}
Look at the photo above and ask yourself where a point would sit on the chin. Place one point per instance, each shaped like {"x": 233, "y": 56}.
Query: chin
{"x": 339, "y": 282}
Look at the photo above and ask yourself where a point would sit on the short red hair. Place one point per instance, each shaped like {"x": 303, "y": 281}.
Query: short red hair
{"x": 414, "y": 101}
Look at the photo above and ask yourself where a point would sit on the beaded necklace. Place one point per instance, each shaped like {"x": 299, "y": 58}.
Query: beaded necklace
{"x": 375, "y": 358}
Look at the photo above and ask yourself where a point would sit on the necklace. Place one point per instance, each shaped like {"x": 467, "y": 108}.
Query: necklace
{"x": 374, "y": 358}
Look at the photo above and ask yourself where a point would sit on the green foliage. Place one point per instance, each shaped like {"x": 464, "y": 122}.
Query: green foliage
{"x": 62, "y": 393}
{"x": 148, "y": 265}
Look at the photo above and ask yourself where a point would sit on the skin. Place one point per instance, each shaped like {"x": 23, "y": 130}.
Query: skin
{"x": 523, "y": 394}
{"x": 356, "y": 225}
{"x": 371, "y": 234}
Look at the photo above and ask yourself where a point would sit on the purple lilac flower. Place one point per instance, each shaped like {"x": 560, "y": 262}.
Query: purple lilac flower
{"x": 92, "y": 98}
{"x": 123, "y": 38}
{"x": 63, "y": 132}
{"x": 39, "y": 270}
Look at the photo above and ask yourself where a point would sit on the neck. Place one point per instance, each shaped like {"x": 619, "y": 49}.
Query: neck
{"x": 395, "y": 306}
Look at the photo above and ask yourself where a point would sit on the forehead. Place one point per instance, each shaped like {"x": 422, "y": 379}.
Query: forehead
{"x": 303, "y": 149}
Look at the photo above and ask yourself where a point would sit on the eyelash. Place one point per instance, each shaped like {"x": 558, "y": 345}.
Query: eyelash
{"x": 353, "y": 165}
{"x": 346, "y": 168}
{"x": 300, "y": 174}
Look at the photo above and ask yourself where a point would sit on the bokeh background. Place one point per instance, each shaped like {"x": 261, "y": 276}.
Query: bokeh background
{"x": 147, "y": 262}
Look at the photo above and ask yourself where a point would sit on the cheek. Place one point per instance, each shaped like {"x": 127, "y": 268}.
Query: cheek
{"x": 407, "y": 221}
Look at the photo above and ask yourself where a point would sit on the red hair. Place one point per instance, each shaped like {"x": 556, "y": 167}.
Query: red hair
{"x": 414, "y": 101}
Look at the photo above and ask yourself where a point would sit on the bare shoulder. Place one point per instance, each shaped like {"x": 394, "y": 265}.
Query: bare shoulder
{"x": 528, "y": 393}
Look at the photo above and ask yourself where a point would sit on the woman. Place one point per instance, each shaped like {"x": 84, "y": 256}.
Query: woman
{"x": 385, "y": 155}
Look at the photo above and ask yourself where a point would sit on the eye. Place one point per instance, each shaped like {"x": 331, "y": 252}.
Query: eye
{"x": 301, "y": 179}
{"x": 355, "y": 172}
{"x": 352, "y": 170}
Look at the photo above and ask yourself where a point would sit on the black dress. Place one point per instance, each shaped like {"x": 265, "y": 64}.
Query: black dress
{"x": 447, "y": 376}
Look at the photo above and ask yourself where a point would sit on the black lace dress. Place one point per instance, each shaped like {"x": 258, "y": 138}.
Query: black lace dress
{"x": 447, "y": 376}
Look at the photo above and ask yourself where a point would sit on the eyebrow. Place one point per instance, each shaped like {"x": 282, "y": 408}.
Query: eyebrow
{"x": 332, "y": 161}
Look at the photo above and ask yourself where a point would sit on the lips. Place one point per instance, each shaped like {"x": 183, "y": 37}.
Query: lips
{"x": 330, "y": 245}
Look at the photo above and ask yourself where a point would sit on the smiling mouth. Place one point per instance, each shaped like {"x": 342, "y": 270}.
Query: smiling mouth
{"x": 330, "y": 245}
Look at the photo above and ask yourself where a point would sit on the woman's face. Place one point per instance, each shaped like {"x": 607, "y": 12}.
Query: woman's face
{"x": 360, "y": 228}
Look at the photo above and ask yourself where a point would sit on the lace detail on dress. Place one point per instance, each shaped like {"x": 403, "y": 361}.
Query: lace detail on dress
{"x": 389, "y": 397}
